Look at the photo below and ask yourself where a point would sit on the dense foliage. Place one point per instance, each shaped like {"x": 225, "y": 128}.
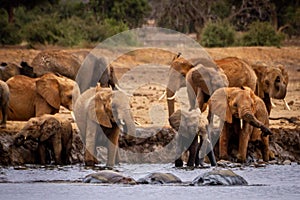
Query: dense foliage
{"x": 86, "y": 22}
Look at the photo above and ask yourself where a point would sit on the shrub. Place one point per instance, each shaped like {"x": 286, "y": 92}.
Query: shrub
{"x": 261, "y": 34}
{"x": 9, "y": 33}
{"x": 217, "y": 34}
{"x": 96, "y": 32}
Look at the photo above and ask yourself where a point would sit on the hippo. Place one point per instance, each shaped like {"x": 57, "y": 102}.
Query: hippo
{"x": 108, "y": 176}
{"x": 159, "y": 178}
{"x": 219, "y": 177}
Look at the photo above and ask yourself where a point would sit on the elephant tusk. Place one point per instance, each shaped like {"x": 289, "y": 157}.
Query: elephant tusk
{"x": 272, "y": 103}
{"x": 172, "y": 98}
{"x": 216, "y": 121}
{"x": 286, "y": 104}
{"x": 73, "y": 116}
{"x": 241, "y": 123}
{"x": 162, "y": 96}
{"x": 125, "y": 92}
{"x": 137, "y": 123}
{"x": 122, "y": 122}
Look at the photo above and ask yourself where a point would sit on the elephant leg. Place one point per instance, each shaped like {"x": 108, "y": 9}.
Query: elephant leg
{"x": 244, "y": 137}
{"x": 179, "y": 151}
{"x": 112, "y": 146}
{"x": 4, "y": 115}
{"x": 193, "y": 150}
{"x": 90, "y": 144}
{"x": 57, "y": 149}
{"x": 118, "y": 158}
{"x": 193, "y": 96}
{"x": 207, "y": 149}
{"x": 223, "y": 142}
{"x": 265, "y": 149}
{"x": 42, "y": 154}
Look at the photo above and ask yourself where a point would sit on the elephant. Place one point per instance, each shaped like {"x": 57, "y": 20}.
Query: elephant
{"x": 100, "y": 113}
{"x": 239, "y": 73}
{"x": 8, "y": 70}
{"x": 47, "y": 134}
{"x": 33, "y": 97}
{"x": 94, "y": 70}
{"x": 245, "y": 117}
{"x": 4, "y": 99}
{"x": 56, "y": 61}
{"x": 201, "y": 82}
{"x": 192, "y": 134}
{"x": 177, "y": 73}
{"x": 84, "y": 67}
{"x": 272, "y": 82}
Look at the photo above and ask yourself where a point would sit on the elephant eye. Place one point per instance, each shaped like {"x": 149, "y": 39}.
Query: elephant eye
{"x": 277, "y": 79}
{"x": 235, "y": 105}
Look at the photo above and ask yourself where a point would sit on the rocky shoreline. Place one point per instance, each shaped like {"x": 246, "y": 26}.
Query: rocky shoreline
{"x": 156, "y": 145}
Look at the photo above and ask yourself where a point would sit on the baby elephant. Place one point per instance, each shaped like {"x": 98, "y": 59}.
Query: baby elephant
{"x": 47, "y": 133}
{"x": 4, "y": 98}
{"x": 192, "y": 135}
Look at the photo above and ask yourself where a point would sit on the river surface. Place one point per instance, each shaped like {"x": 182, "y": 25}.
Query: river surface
{"x": 270, "y": 182}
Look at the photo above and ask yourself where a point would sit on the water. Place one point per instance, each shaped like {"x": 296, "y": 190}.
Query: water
{"x": 271, "y": 182}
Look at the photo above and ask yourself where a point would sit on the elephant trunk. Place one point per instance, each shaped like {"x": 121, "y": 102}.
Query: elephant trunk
{"x": 252, "y": 120}
{"x": 129, "y": 127}
{"x": 170, "y": 101}
{"x": 280, "y": 91}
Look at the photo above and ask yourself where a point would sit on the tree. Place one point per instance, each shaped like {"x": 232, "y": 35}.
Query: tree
{"x": 131, "y": 12}
{"x": 10, "y": 5}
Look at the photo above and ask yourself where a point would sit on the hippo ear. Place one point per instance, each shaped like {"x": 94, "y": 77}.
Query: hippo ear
{"x": 49, "y": 90}
{"x": 219, "y": 105}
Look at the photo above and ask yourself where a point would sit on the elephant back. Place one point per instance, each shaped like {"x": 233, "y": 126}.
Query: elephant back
{"x": 239, "y": 73}
{"x": 56, "y": 61}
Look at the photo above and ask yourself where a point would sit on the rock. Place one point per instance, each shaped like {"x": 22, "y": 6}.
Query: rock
{"x": 228, "y": 164}
{"x": 219, "y": 177}
{"x": 287, "y": 162}
{"x": 108, "y": 176}
{"x": 159, "y": 178}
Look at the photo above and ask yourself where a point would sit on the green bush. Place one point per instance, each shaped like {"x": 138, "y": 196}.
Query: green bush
{"x": 9, "y": 33}
{"x": 261, "y": 34}
{"x": 43, "y": 30}
{"x": 96, "y": 32}
{"x": 218, "y": 34}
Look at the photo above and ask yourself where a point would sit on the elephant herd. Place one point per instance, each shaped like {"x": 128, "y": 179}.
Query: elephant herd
{"x": 237, "y": 95}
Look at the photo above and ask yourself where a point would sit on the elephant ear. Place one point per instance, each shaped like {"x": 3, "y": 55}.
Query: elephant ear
{"x": 98, "y": 112}
{"x": 253, "y": 97}
{"x": 49, "y": 90}
{"x": 219, "y": 105}
{"x": 49, "y": 127}
{"x": 260, "y": 71}
{"x": 284, "y": 72}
